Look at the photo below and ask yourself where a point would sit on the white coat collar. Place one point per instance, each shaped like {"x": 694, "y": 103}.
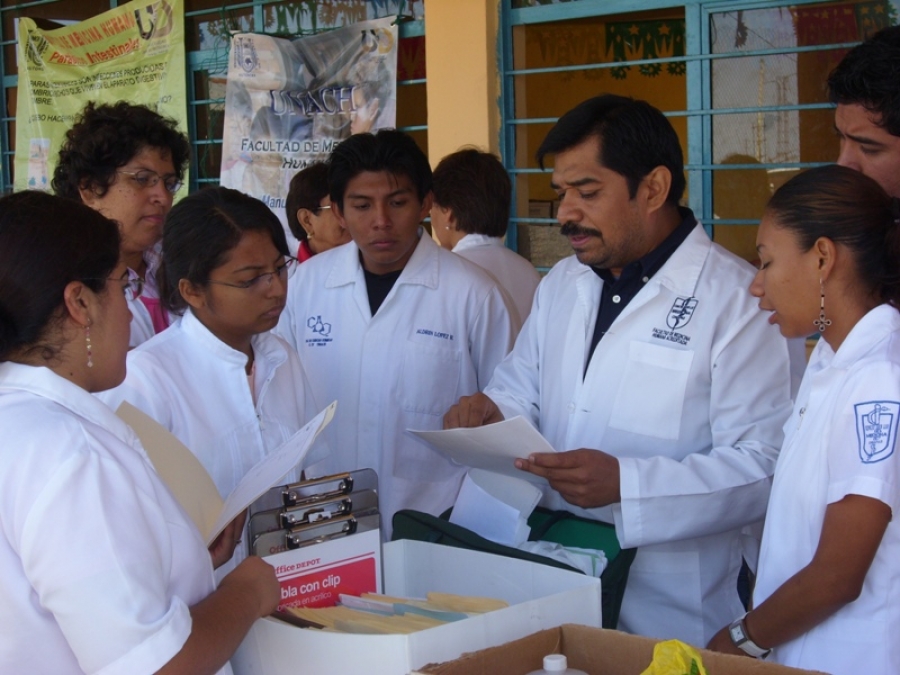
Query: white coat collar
{"x": 681, "y": 271}
{"x": 423, "y": 268}
{"x": 475, "y": 240}
{"x": 43, "y": 382}
{"x": 266, "y": 347}
{"x": 875, "y": 326}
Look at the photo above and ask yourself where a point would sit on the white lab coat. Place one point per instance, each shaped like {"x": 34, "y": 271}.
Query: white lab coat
{"x": 195, "y": 386}
{"x": 100, "y": 565}
{"x": 828, "y": 454}
{"x": 437, "y": 336}
{"x": 689, "y": 388}
{"x": 514, "y": 274}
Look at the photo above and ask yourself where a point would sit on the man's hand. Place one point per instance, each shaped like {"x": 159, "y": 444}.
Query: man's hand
{"x": 585, "y": 478}
{"x": 472, "y": 411}
{"x": 228, "y": 540}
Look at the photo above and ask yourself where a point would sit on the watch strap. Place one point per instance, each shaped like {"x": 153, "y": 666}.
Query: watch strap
{"x": 738, "y": 632}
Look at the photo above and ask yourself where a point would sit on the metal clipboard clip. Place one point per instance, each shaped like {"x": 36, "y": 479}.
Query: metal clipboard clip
{"x": 270, "y": 543}
{"x": 316, "y": 490}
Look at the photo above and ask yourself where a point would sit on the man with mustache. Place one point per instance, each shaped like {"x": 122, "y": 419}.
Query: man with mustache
{"x": 391, "y": 325}
{"x": 649, "y": 368}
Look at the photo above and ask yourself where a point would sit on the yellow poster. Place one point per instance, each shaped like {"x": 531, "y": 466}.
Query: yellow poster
{"x": 134, "y": 53}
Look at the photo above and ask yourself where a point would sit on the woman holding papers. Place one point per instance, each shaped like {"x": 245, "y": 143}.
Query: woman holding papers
{"x": 828, "y": 581}
{"x": 217, "y": 379}
{"x": 100, "y": 569}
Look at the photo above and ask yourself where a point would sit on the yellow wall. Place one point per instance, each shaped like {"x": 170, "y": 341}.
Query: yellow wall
{"x": 463, "y": 75}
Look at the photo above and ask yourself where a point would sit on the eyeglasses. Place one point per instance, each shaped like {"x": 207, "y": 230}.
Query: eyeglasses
{"x": 263, "y": 281}
{"x": 132, "y": 287}
{"x": 322, "y": 208}
{"x": 145, "y": 179}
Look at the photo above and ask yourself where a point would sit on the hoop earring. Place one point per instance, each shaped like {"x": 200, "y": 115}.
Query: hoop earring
{"x": 821, "y": 323}
{"x": 87, "y": 339}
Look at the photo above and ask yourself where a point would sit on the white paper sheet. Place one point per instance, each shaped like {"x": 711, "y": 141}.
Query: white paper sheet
{"x": 495, "y": 506}
{"x": 492, "y": 447}
{"x": 182, "y": 473}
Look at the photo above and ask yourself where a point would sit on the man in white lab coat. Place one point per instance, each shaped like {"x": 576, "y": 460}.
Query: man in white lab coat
{"x": 649, "y": 368}
{"x": 866, "y": 89}
{"x": 392, "y": 326}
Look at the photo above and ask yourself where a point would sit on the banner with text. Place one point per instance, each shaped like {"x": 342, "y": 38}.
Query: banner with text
{"x": 289, "y": 102}
{"x": 133, "y": 53}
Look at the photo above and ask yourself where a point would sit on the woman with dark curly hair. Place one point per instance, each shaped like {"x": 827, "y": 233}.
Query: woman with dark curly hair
{"x": 127, "y": 162}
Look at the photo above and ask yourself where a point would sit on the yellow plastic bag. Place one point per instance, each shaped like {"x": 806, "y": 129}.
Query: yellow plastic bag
{"x": 674, "y": 657}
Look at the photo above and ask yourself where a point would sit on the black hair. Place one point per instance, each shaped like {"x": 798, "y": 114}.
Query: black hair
{"x": 476, "y": 188}
{"x": 47, "y": 242}
{"x": 635, "y": 138}
{"x": 387, "y": 150}
{"x": 107, "y": 136}
{"x": 201, "y": 230}
{"x": 869, "y": 75}
{"x": 850, "y": 209}
{"x": 308, "y": 187}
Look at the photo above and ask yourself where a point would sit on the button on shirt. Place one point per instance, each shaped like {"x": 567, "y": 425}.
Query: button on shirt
{"x": 618, "y": 292}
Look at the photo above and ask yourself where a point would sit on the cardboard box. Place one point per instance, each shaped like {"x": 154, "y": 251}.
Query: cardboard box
{"x": 540, "y": 597}
{"x": 594, "y": 650}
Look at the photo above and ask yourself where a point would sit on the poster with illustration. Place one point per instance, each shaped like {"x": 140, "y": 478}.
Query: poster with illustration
{"x": 289, "y": 102}
{"x": 134, "y": 53}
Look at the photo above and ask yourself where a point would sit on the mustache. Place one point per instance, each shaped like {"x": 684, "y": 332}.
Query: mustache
{"x": 570, "y": 229}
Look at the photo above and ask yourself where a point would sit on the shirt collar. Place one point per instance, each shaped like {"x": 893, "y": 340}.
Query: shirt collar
{"x": 43, "y": 382}
{"x": 651, "y": 263}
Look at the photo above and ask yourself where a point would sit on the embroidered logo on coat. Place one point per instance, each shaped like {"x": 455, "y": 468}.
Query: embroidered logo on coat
{"x": 321, "y": 331}
{"x": 681, "y": 312}
{"x": 876, "y": 429}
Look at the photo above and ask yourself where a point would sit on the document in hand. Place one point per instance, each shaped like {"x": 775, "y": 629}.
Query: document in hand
{"x": 493, "y": 447}
{"x": 193, "y": 487}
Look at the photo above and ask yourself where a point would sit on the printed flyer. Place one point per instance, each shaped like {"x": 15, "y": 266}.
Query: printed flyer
{"x": 134, "y": 53}
{"x": 289, "y": 102}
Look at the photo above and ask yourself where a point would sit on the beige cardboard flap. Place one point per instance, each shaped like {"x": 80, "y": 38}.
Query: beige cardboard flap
{"x": 180, "y": 470}
{"x": 193, "y": 487}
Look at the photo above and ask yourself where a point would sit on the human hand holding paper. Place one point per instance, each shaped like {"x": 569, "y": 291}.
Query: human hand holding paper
{"x": 493, "y": 447}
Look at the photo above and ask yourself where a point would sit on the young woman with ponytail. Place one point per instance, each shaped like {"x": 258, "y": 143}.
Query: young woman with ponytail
{"x": 827, "y": 593}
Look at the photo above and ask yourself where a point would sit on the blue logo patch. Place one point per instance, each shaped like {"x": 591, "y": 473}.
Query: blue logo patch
{"x": 876, "y": 429}
{"x": 316, "y": 325}
{"x": 681, "y": 312}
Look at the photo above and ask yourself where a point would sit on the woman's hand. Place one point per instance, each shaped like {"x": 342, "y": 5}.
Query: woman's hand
{"x": 223, "y": 547}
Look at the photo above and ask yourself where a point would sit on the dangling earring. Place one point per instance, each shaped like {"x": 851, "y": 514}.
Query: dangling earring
{"x": 87, "y": 339}
{"x": 821, "y": 323}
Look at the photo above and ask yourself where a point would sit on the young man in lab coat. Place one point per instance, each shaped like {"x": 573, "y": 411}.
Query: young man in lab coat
{"x": 392, "y": 326}
{"x": 866, "y": 88}
{"x": 648, "y": 366}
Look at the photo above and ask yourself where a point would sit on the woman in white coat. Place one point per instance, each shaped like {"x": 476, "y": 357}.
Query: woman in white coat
{"x": 827, "y": 594}
{"x": 127, "y": 162}
{"x": 217, "y": 379}
{"x": 102, "y": 570}
{"x": 472, "y": 194}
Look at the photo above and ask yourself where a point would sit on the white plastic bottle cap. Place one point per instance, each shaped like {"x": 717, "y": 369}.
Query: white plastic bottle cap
{"x": 556, "y": 663}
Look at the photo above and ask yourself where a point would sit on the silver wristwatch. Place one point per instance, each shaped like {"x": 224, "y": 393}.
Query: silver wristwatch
{"x": 738, "y": 632}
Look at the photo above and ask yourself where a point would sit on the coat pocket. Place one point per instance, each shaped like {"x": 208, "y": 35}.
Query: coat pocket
{"x": 429, "y": 379}
{"x": 651, "y": 393}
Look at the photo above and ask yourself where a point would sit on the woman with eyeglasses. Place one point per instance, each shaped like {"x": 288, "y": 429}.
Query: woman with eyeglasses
{"x": 218, "y": 379}
{"x": 309, "y": 214}
{"x": 127, "y": 162}
{"x": 102, "y": 571}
